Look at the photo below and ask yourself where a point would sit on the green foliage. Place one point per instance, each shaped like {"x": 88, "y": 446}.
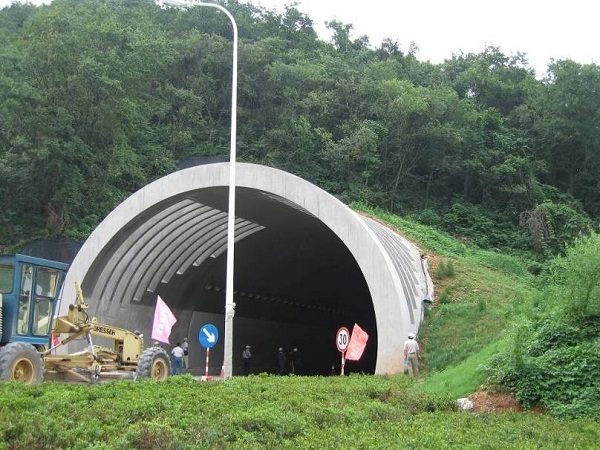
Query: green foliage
{"x": 444, "y": 296}
{"x": 561, "y": 379}
{"x": 440, "y": 270}
{"x": 464, "y": 378}
{"x": 553, "y": 225}
{"x": 429, "y": 238}
{"x": 501, "y": 261}
{"x": 554, "y": 358}
{"x": 99, "y": 98}
{"x": 265, "y": 411}
{"x": 469, "y": 220}
{"x": 445, "y": 269}
{"x": 449, "y": 270}
{"x": 577, "y": 276}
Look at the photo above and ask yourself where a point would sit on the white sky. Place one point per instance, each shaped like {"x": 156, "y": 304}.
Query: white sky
{"x": 543, "y": 29}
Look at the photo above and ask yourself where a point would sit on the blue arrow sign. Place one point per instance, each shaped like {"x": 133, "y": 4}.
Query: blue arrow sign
{"x": 208, "y": 335}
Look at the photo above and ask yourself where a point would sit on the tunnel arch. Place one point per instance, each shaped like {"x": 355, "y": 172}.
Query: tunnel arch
{"x": 305, "y": 264}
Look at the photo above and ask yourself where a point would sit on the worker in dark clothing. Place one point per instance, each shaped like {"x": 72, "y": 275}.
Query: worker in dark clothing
{"x": 246, "y": 358}
{"x": 281, "y": 360}
{"x": 293, "y": 360}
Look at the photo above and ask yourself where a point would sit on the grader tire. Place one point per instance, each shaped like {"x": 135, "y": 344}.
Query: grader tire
{"x": 154, "y": 363}
{"x": 21, "y": 362}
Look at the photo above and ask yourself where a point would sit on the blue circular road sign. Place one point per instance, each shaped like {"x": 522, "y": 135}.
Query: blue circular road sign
{"x": 208, "y": 335}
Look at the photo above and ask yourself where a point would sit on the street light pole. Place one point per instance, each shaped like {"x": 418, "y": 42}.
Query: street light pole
{"x": 229, "y": 304}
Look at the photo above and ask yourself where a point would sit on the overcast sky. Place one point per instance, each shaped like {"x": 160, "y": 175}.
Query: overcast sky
{"x": 543, "y": 29}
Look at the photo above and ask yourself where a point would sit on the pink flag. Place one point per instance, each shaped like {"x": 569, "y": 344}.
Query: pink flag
{"x": 357, "y": 344}
{"x": 163, "y": 321}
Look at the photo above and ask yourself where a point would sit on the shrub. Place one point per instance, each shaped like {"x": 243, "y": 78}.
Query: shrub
{"x": 440, "y": 270}
{"x": 444, "y": 296}
{"x": 551, "y": 363}
{"x": 449, "y": 269}
{"x": 578, "y": 276}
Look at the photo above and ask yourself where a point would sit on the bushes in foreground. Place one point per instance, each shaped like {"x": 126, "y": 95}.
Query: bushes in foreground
{"x": 554, "y": 360}
{"x": 268, "y": 412}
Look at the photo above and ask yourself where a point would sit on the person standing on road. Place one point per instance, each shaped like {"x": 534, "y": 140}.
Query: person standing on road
{"x": 177, "y": 353}
{"x": 281, "y": 360}
{"x": 411, "y": 353}
{"x": 246, "y": 358}
{"x": 293, "y": 360}
{"x": 185, "y": 346}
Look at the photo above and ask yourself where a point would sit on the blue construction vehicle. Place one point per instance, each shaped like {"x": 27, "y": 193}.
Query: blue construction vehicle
{"x": 31, "y": 333}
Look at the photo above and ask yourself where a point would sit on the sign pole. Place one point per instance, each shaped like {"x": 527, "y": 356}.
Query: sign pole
{"x": 342, "y": 339}
{"x": 208, "y": 337}
{"x": 207, "y": 356}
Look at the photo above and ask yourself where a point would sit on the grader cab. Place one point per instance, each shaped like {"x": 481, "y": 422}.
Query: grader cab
{"x": 31, "y": 336}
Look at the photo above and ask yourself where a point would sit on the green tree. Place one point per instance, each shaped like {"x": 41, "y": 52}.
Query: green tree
{"x": 577, "y": 274}
{"x": 565, "y": 125}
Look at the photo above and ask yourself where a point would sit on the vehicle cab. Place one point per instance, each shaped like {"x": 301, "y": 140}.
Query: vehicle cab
{"x": 29, "y": 291}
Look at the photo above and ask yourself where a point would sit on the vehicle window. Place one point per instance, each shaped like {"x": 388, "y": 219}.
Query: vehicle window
{"x": 6, "y": 277}
{"x": 42, "y": 319}
{"x": 24, "y": 299}
{"x": 46, "y": 281}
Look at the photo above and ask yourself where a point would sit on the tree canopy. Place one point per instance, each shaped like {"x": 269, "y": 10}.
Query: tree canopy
{"x": 100, "y": 97}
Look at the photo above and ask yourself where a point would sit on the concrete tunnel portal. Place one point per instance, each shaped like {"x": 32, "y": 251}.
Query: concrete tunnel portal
{"x": 305, "y": 265}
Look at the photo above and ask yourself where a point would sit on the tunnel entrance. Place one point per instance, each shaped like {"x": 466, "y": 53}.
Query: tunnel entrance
{"x": 305, "y": 265}
{"x": 295, "y": 284}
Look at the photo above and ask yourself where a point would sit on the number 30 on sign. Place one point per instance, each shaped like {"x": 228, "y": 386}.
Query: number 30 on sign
{"x": 342, "y": 339}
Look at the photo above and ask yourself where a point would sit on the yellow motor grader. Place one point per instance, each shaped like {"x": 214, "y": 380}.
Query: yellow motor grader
{"x": 31, "y": 337}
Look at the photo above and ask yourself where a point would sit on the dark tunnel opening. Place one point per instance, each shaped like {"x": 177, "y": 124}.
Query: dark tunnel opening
{"x": 295, "y": 285}
{"x": 295, "y": 281}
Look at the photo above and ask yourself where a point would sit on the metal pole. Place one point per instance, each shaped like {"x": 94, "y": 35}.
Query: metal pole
{"x": 229, "y": 304}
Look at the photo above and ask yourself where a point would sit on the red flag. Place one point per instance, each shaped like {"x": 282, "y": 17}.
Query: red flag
{"x": 357, "y": 344}
{"x": 163, "y": 321}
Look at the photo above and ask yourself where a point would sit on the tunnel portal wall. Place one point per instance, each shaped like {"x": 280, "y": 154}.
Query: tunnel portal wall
{"x": 392, "y": 267}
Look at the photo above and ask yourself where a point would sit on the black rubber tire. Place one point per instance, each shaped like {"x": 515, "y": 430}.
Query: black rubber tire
{"x": 154, "y": 363}
{"x": 21, "y": 362}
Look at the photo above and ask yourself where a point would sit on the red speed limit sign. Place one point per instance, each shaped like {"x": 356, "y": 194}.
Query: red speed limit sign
{"x": 342, "y": 339}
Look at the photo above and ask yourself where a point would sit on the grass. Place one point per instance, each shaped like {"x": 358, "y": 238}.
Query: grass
{"x": 477, "y": 306}
{"x": 266, "y": 412}
{"x": 476, "y": 300}
{"x": 462, "y": 379}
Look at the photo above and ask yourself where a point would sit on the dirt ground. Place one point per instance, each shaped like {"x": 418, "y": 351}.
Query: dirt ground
{"x": 484, "y": 401}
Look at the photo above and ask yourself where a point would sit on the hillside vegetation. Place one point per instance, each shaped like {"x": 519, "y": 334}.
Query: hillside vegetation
{"x": 98, "y": 98}
{"x": 494, "y": 174}
{"x": 496, "y": 326}
{"x": 491, "y": 330}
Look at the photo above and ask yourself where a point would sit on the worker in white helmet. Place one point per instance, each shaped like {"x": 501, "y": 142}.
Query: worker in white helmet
{"x": 411, "y": 354}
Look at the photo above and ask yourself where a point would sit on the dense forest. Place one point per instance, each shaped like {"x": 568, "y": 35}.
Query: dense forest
{"x": 100, "y": 97}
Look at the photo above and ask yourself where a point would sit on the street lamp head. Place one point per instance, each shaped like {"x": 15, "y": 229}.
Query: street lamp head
{"x": 173, "y": 3}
